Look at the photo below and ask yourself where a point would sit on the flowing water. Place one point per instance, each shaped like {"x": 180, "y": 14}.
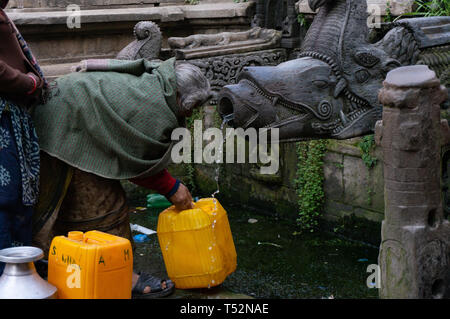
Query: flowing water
{"x": 226, "y": 120}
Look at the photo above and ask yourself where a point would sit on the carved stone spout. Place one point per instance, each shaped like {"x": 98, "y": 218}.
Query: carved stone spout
{"x": 331, "y": 90}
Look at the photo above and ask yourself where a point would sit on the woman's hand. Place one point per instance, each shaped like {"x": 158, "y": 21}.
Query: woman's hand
{"x": 182, "y": 199}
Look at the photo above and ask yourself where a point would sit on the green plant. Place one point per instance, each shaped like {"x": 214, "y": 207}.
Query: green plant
{"x": 309, "y": 183}
{"x": 388, "y": 16}
{"x": 303, "y": 21}
{"x": 191, "y": 1}
{"x": 366, "y": 145}
{"x": 429, "y": 8}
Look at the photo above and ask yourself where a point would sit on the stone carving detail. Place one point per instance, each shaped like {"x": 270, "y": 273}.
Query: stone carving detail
{"x": 279, "y": 15}
{"x": 222, "y": 58}
{"x": 207, "y": 45}
{"x": 411, "y": 134}
{"x": 337, "y": 71}
{"x": 147, "y": 44}
{"x": 224, "y": 70}
{"x": 394, "y": 252}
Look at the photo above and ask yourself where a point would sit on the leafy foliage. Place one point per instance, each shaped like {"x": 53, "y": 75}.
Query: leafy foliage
{"x": 301, "y": 19}
{"x": 433, "y": 8}
{"x": 430, "y": 8}
{"x": 366, "y": 145}
{"x": 388, "y": 16}
{"x": 309, "y": 183}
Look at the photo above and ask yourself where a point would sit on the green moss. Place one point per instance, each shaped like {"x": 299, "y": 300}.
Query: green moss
{"x": 388, "y": 17}
{"x": 301, "y": 19}
{"x": 367, "y": 145}
{"x": 309, "y": 183}
{"x": 190, "y": 169}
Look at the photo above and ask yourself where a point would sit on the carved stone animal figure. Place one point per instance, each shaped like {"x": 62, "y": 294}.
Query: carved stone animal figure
{"x": 147, "y": 44}
{"x": 198, "y": 40}
{"x": 331, "y": 90}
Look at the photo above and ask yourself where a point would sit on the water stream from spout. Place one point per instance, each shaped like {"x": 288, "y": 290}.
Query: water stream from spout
{"x": 219, "y": 160}
{"x": 226, "y": 120}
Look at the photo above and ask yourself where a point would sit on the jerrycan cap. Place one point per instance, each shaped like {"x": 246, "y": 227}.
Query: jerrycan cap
{"x": 76, "y": 235}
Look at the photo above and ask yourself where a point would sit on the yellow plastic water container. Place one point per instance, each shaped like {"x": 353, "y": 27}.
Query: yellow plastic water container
{"x": 197, "y": 245}
{"x": 92, "y": 265}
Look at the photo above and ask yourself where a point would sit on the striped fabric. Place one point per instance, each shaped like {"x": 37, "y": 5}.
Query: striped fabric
{"x": 116, "y": 124}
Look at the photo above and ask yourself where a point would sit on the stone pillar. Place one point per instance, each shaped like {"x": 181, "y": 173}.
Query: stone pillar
{"x": 414, "y": 255}
{"x": 291, "y": 27}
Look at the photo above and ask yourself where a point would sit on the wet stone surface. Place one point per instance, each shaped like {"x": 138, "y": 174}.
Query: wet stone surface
{"x": 273, "y": 262}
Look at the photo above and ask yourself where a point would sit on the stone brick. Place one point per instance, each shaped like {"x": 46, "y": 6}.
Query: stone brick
{"x": 356, "y": 181}
{"x": 335, "y": 210}
{"x": 333, "y": 173}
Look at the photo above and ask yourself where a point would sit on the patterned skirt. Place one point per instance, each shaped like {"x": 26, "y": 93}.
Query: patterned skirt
{"x": 15, "y": 217}
{"x": 19, "y": 155}
{"x": 10, "y": 175}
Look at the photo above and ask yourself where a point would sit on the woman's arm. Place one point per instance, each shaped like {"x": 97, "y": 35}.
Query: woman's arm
{"x": 13, "y": 81}
{"x": 162, "y": 182}
{"x": 168, "y": 186}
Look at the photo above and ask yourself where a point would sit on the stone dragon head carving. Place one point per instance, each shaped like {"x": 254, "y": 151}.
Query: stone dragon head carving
{"x": 331, "y": 89}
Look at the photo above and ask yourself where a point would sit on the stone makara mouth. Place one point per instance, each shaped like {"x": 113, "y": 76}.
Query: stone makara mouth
{"x": 247, "y": 105}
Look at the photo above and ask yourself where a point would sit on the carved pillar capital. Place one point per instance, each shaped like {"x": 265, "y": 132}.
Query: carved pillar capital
{"x": 402, "y": 87}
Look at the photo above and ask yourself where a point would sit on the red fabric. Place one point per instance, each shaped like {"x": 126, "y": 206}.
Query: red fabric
{"x": 162, "y": 182}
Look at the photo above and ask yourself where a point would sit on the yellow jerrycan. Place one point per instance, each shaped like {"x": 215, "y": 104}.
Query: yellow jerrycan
{"x": 91, "y": 265}
{"x": 197, "y": 245}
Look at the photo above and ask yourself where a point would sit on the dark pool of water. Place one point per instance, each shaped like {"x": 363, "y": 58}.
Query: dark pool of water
{"x": 275, "y": 263}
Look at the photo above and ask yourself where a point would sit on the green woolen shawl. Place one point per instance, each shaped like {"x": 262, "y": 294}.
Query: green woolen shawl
{"x": 115, "y": 120}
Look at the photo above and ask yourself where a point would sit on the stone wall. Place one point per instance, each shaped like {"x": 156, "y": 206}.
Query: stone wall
{"x": 351, "y": 188}
{"x": 105, "y": 32}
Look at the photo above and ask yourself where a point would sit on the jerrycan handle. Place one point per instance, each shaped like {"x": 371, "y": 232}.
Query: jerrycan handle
{"x": 88, "y": 240}
{"x": 174, "y": 209}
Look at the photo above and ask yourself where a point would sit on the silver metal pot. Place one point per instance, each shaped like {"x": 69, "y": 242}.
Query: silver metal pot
{"x": 20, "y": 279}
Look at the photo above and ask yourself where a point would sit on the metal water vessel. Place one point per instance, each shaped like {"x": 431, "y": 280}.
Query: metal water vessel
{"x": 20, "y": 279}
